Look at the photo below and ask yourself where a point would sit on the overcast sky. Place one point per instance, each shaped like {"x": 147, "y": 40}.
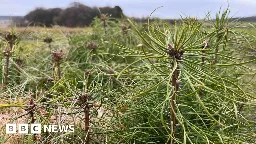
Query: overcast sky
{"x": 139, "y": 8}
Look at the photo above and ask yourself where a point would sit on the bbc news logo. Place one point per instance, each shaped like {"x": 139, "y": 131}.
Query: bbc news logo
{"x": 37, "y": 128}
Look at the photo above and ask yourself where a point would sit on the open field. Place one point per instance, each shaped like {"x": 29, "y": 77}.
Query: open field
{"x": 45, "y": 29}
{"x": 193, "y": 82}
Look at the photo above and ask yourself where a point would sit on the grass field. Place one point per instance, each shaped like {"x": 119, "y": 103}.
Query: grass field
{"x": 42, "y": 29}
{"x": 193, "y": 82}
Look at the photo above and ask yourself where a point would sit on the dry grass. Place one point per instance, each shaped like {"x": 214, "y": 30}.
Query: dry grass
{"x": 9, "y": 115}
{"x": 5, "y": 117}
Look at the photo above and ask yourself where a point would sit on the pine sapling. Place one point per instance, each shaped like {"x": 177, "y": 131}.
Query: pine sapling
{"x": 93, "y": 47}
{"x": 11, "y": 39}
{"x": 124, "y": 29}
{"x": 57, "y": 58}
{"x": 103, "y": 17}
{"x": 84, "y": 100}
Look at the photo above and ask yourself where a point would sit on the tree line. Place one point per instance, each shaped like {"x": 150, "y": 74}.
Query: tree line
{"x": 76, "y": 15}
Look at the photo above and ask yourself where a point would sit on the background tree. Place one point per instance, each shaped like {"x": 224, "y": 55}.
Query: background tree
{"x": 76, "y": 15}
{"x": 41, "y": 16}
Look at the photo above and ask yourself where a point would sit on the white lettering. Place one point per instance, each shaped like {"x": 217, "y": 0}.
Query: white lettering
{"x": 47, "y": 128}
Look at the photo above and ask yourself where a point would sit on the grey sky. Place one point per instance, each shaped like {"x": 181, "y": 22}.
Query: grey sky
{"x": 139, "y": 8}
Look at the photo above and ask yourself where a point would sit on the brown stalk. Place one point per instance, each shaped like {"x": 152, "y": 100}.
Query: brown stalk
{"x": 103, "y": 17}
{"x": 30, "y": 111}
{"x": 105, "y": 25}
{"x": 19, "y": 62}
{"x": 57, "y": 57}
{"x": 176, "y": 56}
{"x": 93, "y": 47}
{"x": 11, "y": 39}
{"x": 7, "y": 55}
{"x": 87, "y": 118}
{"x": 57, "y": 68}
{"x": 85, "y": 97}
{"x": 175, "y": 85}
